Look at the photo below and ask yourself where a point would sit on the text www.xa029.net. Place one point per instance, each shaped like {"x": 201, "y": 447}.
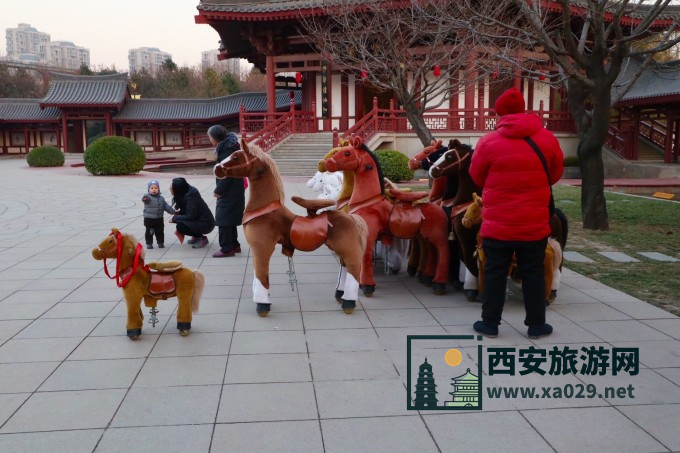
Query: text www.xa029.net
{"x": 566, "y": 391}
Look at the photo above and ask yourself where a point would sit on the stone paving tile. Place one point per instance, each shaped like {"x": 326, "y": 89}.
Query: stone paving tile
{"x": 357, "y": 365}
{"x": 576, "y": 257}
{"x": 659, "y": 257}
{"x": 267, "y": 402}
{"x": 591, "y": 429}
{"x": 460, "y": 432}
{"x": 272, "y": 437}
{"x": 76, "y": 441}
{"x": 619, "y": 257}
{"x": 364, "y": 398}
{"x": 393, "y": 434}
{"x": 263, "y": 368}
{"x": 189, "y": 438}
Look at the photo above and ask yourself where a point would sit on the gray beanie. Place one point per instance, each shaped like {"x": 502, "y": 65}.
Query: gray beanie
{"x": 217, "y": 132}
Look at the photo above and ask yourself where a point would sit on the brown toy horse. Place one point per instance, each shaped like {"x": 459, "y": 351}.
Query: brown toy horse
{"x": 267, "y": 222}
{"x": 151, "y": 282}
{"x": 552, "y": 263}
{"x": 454, "y": 164}
{"x": 368, "y": 201}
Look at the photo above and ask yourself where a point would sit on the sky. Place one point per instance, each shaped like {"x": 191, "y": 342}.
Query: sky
{"x": 110, "y": 28}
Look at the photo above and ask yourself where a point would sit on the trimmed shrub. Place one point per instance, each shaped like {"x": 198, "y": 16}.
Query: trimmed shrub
{"x": 45, "y": 156}
{"x": 571, "y": 161}
{"x": 394, "y": 165}
{"x": 114, "y": 156}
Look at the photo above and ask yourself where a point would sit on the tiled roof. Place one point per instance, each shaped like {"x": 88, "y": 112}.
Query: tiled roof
{"x": 659, "y": 82}
{"x": 266, "y": 6}
{"x": 26, "y": 110}
{"x": 143, "y": 110}
{"x": 86, "y": 91}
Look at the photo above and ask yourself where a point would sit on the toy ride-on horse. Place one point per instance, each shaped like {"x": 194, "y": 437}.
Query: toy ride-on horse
{"x": 552, "y": 263}
{"x": 267, "y": 222}
{"x": 454, "y": 165}
{"x": 152, "y": 281}
{"x": 403, "y": 219}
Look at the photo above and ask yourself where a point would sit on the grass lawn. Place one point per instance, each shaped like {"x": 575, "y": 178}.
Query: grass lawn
{"x": 636, "y": 224}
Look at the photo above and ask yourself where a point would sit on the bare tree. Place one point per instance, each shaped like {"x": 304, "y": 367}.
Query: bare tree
{"x": 399, "y": 46}
{"x": 589, "y": 42}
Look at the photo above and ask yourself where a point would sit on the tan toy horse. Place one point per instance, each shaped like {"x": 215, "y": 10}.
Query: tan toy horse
{"x": 551, "y": 263}
{"x": 151, "y": 282}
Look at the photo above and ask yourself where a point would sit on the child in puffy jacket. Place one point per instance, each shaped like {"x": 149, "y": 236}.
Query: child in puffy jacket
{"x": 154, "y": 205}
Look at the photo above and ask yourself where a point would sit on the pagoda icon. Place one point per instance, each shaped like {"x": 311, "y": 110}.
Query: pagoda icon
{"x": 426, "y": 395}
{"x": 465, "y": 391}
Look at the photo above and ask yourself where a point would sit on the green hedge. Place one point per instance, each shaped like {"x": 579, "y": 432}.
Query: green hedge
{"x": 571, "y": 161}
{"x": 394, "y": 165}
{"x": 45, "y": 156}
{"x": 114, "y": 156}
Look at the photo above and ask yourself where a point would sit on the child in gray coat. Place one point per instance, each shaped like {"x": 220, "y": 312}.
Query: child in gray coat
{"x": 154, "y": 205}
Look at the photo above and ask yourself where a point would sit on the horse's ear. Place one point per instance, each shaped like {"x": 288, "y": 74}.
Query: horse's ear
{"x": 433, "y": 142}
{"x": 114, "y": 231}
{"x": 438, "y": 144}
{"x": 456, "y": 143}
{"x": 477, "y": 199}
{"x": 244, "y": 145}
{"x": 355, "y": 141}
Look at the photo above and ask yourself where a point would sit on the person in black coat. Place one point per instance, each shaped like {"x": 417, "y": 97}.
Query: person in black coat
{"x": 194, "y": 218}
{"x": 230, "y": 194}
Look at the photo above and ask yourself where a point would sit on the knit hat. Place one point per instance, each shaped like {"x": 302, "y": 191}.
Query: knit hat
{"x": 153, "y": 182}
{"x": 217, "y": 132}
{"x": 511, "y": 101}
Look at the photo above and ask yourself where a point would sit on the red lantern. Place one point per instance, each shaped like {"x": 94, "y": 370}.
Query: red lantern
{"x": 436, "y": 70}
{"x": 494, "y": 74}
{"x": 363, "y": 74}
{"x": 298, "y": 77}
{"x": 542, "y": 76}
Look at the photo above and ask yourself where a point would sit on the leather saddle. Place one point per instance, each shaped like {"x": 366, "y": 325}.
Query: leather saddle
{"x": 309, "y": 233}
{"x": 405, "y": 218}
{"x": 162, "y": 280}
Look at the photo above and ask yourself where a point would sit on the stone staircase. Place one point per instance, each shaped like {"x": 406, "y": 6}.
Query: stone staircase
{"x": 298, "y": 154}
{"x": 649, "y": 152}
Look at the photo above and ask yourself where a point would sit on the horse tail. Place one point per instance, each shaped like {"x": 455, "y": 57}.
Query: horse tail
{"x": 565, "y": 227}
{"x": 362, "y": 227}
{"x": 557, "y": 252}
{"x": 199, "y": 284}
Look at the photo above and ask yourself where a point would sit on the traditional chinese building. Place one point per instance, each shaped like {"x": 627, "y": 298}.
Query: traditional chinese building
{"x": 79, "y": 109}
{"x": 465, "y": 390}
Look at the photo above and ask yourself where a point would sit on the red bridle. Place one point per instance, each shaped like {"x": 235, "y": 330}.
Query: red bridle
{"x": 443, "y": 168}
{"x": 239, "y": 166}
{"x": 119, "y": 252}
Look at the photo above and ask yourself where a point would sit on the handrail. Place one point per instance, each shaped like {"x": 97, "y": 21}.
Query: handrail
{"x": 275, "y": 130}
{"x": 621, "y": 142}
{"x": 447, "y": 120}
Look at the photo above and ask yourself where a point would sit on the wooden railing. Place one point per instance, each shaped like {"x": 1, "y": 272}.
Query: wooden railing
{"x": 447, "y": 120}
{"x": 621, "y": 142}
{"x": 654, "y": 131}
{"x": 266, "y": 130}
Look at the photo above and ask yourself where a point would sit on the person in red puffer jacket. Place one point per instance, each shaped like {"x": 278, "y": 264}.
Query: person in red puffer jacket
{"x": 516, "y": 213}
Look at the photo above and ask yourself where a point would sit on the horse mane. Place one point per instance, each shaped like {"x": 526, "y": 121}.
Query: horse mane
{"x": 132, "y": 238}
{"x": 381, "y": 175}
{"x": 269, "y": 163}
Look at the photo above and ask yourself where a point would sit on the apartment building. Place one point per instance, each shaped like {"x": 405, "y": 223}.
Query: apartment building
{"x": 238, "y": 67}
{"x": 148, "y": 58}
{"x": 65, "y": 54}
{"x": 26, "y": 43}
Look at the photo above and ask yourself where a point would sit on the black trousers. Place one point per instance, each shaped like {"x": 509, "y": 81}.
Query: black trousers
{"x": 185, "y": 230}
{"x": 530, "y": 255}
{"x": 154, "y": 227}
{"x": 228, "y": 238}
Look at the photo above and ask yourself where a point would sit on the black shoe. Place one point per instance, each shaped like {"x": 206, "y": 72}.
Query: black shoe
{"x": 486, "y": 329}
{"x": 541, "y": 330}
{"x": 161, "y": 246}
{"x": 149, "y": 246}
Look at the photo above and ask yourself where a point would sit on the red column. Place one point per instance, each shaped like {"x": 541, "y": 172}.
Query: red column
{"x": 109, "y": 126}
{"x": 517, "y": 80}
{"x": 271, "y": 85}
{"x": 64, "y": 132}
{"x": 530, "y": 95}
{"x": 359, "y": 110}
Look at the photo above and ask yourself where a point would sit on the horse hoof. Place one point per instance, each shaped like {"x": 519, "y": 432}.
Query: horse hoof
{"x": 439, "y": 288}
{"x": 471, "y": 294}
{"x": 411, "y": 271}
{"x": 263, "y": 309}
{"x": 348, "y": 306}
{"x": 338, "y": 295}
{"x": 427, "y": 281}
{"x": 184, "y": 332}
{"x": 553, "y": 296}
{"x": 133, "y": 334}
{"x": 133, "y": 337}
{"x": 458, "y": 285}
{"x": 368, "y": 290}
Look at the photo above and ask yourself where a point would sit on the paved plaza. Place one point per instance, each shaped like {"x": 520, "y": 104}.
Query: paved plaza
{"x": 308, "y": 378}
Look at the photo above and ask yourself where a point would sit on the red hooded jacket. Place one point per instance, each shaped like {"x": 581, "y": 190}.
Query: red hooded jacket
{"x": 514, "y": 183}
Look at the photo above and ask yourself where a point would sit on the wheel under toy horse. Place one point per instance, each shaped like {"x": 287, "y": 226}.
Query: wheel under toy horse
{"x": 403, "y": 220}
{"x": 552, "y": 262}
{"x": 267, "y": 222}
{"x": 151, "y": 282}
